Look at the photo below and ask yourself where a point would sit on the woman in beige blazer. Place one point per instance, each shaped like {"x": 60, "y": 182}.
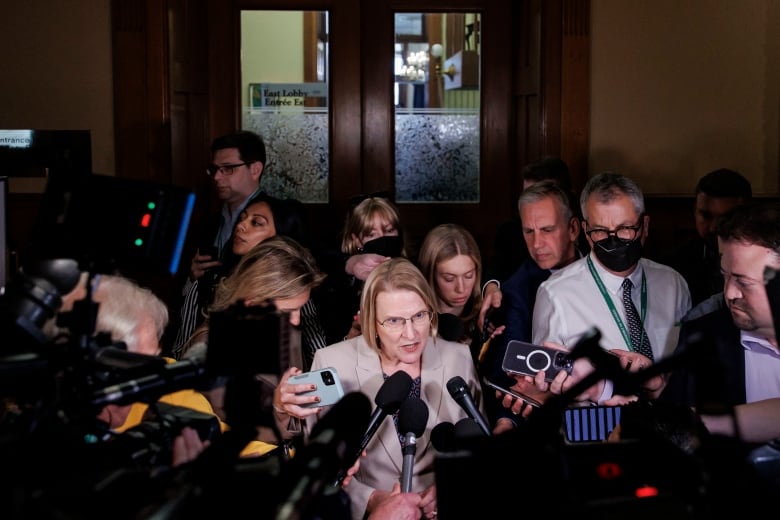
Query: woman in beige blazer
{"x": 398, "y": 320}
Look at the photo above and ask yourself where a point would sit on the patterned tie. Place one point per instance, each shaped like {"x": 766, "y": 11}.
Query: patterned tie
{"x": 639, "y": 339}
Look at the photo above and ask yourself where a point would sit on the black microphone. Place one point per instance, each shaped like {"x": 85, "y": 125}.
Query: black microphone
{"x": 391, "y": 394}
{"x": 307, "y": 474}
{"x": 459, "y": 391}
{"x": 450, "y": 327}
{"x": 412, "y": 418}
{"x": 443, "y": 437}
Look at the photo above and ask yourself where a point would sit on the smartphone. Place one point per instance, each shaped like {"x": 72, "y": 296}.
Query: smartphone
{"x": 517, "y": 395}
{"x": 209, "y": 250}
{"x": 528, "y": 359}
{"x": 328, "y": 386}
{"x": 590, "y": 423}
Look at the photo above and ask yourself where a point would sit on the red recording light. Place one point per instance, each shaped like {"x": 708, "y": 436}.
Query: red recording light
{"x": 646, "y": 491}
{"x": 609, "y": 470}
{"x": 146, "y": 219}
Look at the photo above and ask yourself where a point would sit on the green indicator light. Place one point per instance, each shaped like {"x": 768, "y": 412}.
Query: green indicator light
{"x": 139, "y": 242}
{"x": 151, "y": 205}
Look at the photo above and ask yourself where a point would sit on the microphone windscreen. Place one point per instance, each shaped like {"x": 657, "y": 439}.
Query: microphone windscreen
{"x": 450, "y": 327}
{"x": 348, "y": 418}
{"x": 413, "y": 416}
{"x": 443, "y": 437}
{"x": 393, "y": 392}
{"x": 466, "y": 429}
{"x": 456, "y": 385}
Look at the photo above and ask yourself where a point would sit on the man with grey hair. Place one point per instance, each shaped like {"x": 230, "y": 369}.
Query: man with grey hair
{"x": 634, "y": 302}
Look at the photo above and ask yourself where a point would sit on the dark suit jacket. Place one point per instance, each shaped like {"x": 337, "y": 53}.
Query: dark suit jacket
{"x": 519, "y": 296}
{"x": 714, "y": 373}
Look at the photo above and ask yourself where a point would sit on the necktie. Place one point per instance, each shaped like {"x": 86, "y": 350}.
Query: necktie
{"x": 639, "y": 339}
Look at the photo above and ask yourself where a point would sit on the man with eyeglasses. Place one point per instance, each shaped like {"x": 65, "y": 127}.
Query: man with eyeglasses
{"x": 613, "y": 282}
{"x": 238, "y": 161}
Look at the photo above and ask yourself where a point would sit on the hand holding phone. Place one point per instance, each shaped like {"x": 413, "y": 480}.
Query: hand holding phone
{"x": 528, "y": 359}
{"x": 517, "y": 395}
{"x": 327, "y": 386}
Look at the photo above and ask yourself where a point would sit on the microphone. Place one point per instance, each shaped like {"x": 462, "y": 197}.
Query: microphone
{"x": 459, "y": 391}
{"x": 391, "y": 394}
{"x": 450, "y": 327}
{"x": 412, "y": 418}
{"x": 307, "y": 474}
{"x": 443, "y": 437}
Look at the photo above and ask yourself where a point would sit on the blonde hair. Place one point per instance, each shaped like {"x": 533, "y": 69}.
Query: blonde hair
{"x": 276, "y": 268}
{"x": 447, "y": 241}
{"x": 360, "y": 219}
{"x": 396, "y": 274}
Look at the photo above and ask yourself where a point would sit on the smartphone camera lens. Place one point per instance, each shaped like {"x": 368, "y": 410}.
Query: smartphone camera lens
{"x": 327, "y": 378}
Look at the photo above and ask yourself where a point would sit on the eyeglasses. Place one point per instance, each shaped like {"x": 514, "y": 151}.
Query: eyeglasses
{"x": 225, "y": 169}
{"x": 418, "y": 320}
{"x": 627, "y": 233}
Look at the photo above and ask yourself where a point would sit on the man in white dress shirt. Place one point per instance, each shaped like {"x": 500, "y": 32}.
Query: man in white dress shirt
{"x": 589, "y": 292}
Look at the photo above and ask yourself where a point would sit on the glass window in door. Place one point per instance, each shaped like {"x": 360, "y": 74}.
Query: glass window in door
{"x": 284, "y": 79}
{"x": 437, "y": 107}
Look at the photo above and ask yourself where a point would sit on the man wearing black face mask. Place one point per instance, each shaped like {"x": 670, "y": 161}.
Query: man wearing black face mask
{"x": 593, "y": 291}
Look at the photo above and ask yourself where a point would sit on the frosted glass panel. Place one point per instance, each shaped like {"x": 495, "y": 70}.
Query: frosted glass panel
{"x": 437, "y": 156}
{"x": 284, "y": 81}
{"x": 297, "y": 149}
{"x": 437, "y": 107}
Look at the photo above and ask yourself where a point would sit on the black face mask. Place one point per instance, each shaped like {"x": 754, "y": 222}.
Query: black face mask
{"x": 618, "y": 255}
{"x": 388, "y": 245}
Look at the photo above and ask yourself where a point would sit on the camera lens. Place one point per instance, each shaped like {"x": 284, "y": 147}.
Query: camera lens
{"x": 327, "y": 377}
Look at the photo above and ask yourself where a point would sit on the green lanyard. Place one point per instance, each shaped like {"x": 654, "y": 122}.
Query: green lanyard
{"x": 612, "y": 308}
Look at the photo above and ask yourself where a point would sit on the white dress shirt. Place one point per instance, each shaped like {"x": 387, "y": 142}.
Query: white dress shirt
{"x": 569, "y": 303}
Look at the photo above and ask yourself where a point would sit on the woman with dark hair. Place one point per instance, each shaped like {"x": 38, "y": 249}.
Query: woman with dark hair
{"x": 263, "y": 217}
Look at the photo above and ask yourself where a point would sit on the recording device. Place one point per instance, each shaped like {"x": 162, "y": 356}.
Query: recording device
{"x": 517, "y": 395}
{"x": 443, "y": 437}
{"x": 528, "y": 359}
{"x": 394, "y": 391}
{"x": 147, "y": 229}
{"x": 459, "y": 391}
{"x": 333, "y": 438}
{"x": 590, "y": 423}
{"x": 328, "y": 386}
{"x": 412, "y": 418}
{"x": 252, "y": 340}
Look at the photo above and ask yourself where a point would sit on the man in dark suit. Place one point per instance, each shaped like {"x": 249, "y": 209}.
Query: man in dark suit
{"x": 697, "y": 260}
{"x": 550, "y": 230}
{"x": 734, "y": 356}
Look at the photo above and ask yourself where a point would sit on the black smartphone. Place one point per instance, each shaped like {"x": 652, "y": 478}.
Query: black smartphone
{"x": 209, "y": 250}
{"x": 528, "y": 359}
{"x": 517, "y": 395}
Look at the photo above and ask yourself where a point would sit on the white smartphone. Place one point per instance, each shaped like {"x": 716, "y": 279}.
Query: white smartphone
{"x": 517, "y": 395}
{"x": 328, "y": 386}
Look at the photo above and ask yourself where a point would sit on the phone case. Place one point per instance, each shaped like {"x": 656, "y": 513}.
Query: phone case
{"x": 328, "y": 386}
{"x": 528, "y": 359}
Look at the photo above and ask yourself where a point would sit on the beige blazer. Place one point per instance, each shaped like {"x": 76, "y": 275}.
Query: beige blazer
{"x": 359, "y": 369}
